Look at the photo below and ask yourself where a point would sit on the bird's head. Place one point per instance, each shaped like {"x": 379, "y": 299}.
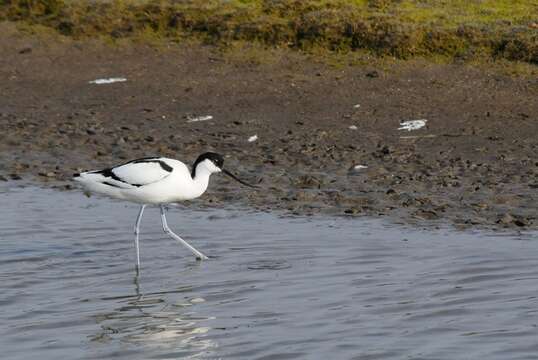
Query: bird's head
{"x": 213, "y": 163}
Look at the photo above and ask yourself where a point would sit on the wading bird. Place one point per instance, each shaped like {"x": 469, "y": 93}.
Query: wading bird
{"x": 156, "y": 181}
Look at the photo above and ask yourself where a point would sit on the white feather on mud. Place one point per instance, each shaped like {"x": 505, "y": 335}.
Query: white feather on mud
{"x": 412, "y": 124}
{"x": 191, "y": 119}
{"x": 107, "y": 81}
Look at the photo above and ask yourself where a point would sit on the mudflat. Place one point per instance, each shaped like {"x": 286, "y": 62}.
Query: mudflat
{"x": 316, "y": 138}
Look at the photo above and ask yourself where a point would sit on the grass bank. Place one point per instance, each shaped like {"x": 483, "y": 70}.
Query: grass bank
{"x": 456, "y": 29}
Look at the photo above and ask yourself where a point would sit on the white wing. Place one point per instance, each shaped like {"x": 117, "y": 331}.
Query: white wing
{"x": 133, "y": 174}
{"x": 143, "y": 171}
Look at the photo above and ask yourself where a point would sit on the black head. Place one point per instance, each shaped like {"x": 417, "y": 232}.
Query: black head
{"x": 218, "y": 161}
{"x": 215, "y": 158}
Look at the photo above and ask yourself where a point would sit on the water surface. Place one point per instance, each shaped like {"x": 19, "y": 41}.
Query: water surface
{"x": 275, "y": 288}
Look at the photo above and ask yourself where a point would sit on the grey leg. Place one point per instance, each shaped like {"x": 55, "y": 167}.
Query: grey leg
{"x": 167, "y": 230}
{"x": 137, "y": 232}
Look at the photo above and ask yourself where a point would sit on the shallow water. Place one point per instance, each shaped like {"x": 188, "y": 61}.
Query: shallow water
{"x": 275, "y": 288}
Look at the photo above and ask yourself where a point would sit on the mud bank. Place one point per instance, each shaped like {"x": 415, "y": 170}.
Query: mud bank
{"x": 317, "y": 139}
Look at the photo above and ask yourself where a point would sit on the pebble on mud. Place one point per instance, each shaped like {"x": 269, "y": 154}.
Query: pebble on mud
{"x": 509, "y": 219}
{"x": 308, "y": 182}
{"x": 426, "y": 214}
{"x": 303, "y": 196}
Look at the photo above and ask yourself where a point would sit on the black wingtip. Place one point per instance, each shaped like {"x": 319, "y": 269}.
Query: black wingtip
{"x": 76, "y": 175}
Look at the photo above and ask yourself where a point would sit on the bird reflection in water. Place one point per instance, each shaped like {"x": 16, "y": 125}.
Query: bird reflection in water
{"x": 158, "y": 319}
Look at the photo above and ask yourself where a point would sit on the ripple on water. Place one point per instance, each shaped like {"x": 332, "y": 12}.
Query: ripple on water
{"x": 321, "y": 289}
{"x": 268, "y": 265}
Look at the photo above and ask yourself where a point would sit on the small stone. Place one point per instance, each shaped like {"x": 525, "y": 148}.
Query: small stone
{"x": 506, "y": 219}
{"x": 509, "y": 219}
{"x": 303, "y": 196}
{"x": 520, "y": 222}
{"x": 426, "y": 214}
{"x": 308, "y": 181}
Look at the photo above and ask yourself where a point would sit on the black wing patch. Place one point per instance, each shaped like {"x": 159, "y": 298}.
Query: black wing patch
{"x": 163, "y": 165}
{"x": 109, "y": 173}
{"x": 110, "y": 184}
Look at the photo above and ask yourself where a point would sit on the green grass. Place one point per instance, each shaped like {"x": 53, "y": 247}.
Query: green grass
{"x": 452, "y": 29}
{"x": 453, "y": 13}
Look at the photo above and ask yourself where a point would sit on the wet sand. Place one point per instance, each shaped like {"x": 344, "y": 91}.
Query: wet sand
{"x": 294, "y": 288}
{"x": 474, "y": 164}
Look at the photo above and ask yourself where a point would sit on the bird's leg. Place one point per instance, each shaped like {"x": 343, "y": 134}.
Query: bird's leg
{"x": 167, "y": 230}
{"x": 137, "y": 232}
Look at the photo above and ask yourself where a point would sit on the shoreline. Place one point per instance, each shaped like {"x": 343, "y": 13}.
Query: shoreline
{"x": 472, "y": 165}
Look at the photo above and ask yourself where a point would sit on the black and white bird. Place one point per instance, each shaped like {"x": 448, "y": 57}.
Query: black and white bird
{"x": 156, "y": 181}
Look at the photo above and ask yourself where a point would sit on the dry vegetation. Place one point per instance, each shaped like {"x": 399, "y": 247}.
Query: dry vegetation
{"x": 456, "y": 30}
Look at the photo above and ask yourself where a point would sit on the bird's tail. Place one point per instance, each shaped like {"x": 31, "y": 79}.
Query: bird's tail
{"x": 87, "y": 176}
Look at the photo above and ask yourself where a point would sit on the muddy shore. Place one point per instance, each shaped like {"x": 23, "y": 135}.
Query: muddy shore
{"x": 475, "y": 162}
